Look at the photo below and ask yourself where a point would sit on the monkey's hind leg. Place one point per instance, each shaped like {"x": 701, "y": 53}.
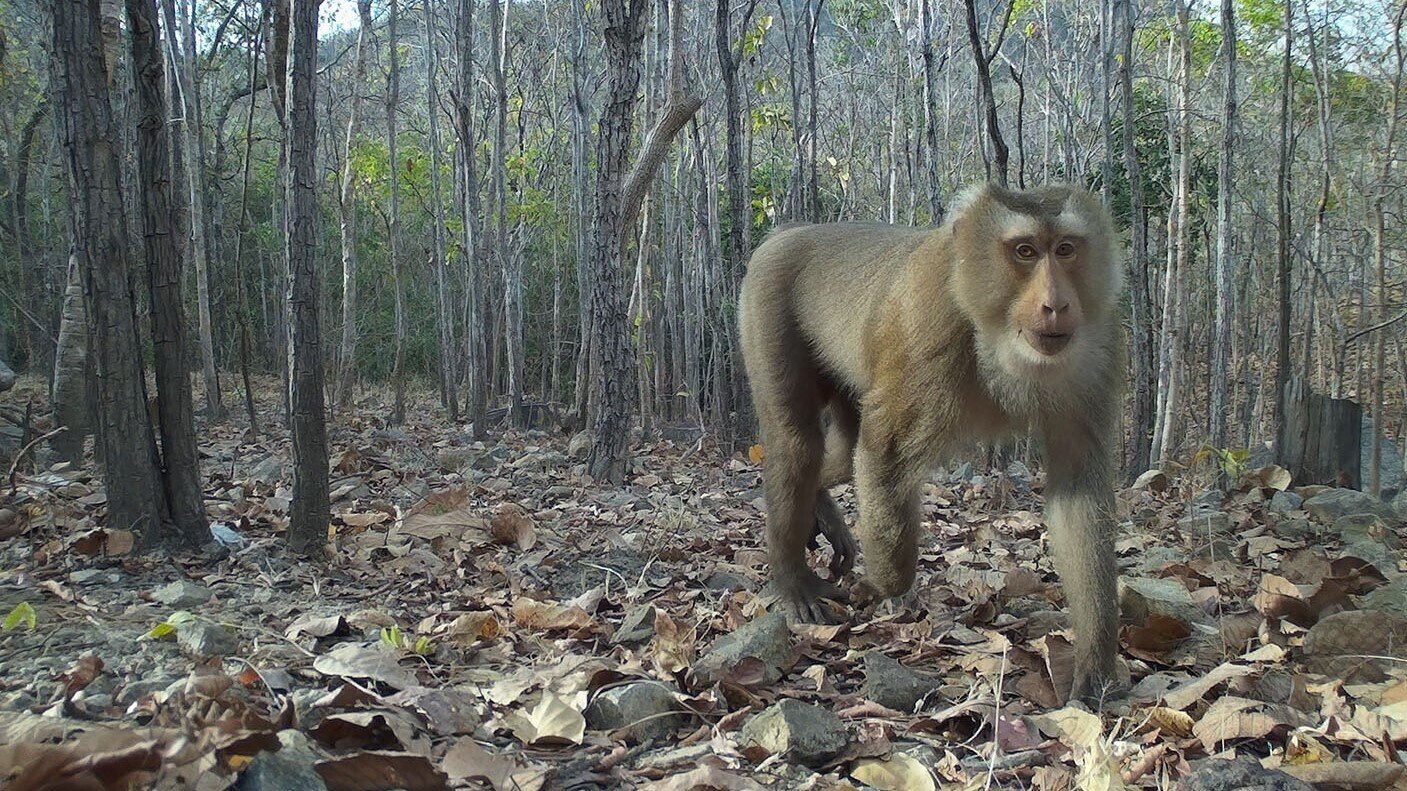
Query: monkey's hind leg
{"x": 843, "y": 426}
{"x": 830, "y": 522}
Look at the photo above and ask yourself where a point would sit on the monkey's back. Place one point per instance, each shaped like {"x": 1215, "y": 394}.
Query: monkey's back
{"x": 828, "y": 284}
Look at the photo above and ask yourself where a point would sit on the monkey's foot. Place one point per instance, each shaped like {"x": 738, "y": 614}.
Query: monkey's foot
{"x": 867, "y": 596}
{"x": 800, "y": 595}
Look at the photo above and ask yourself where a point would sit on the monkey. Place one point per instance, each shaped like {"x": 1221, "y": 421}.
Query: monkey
{"x": 875, "y": 352}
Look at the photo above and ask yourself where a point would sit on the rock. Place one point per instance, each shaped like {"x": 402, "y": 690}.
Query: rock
{"x": 456, "y": 458}
{"x": 721, "y": 580}
{"x": 1205, "y": 522}
{"x": 1390, "y": 597}
{"x": 766, "y": 638}
{"x": 1242, "y": 774}
{"x": 1367, "y": 527}
{"x": 580, "y": 445}
{"x": 648, "y": 708}
{"x": 1140, "y": 597}
{"x": 1019, "y": 475}
{"x": 1261, "y": 454}
{"x": 681, "y": 432}
{"x": 182, "y": 594}
{"x": 1330, "y": 504}
{"x": 85, "y": 576}
{"x": 1295, "y": 528}
{"x": 1154, "y": 558}
{"x": 638, "y": 626}
{"x": 1390, "y": 471}
{"x": 136, "y": 690}
{"x": 1284, "y": 502}
{"x": 1209, "y": 500}
{"x": 963, "y": 473}
{"x": 1043, "y": 622}
{"x": 270, "y": 470}
{"x": 889, "y": 683}
{"x": 7, "y": 377}
{"x": 797, "y": 731}
{"x": 206, "y": 639}
{"x": 1153, "y": 481}
{"x": 1336, "y": 644}
{"x": 19, "y": 700}
{"x": 290, "y": 767}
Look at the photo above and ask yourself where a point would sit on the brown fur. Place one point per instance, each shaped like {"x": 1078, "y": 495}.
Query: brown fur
{"x": 876, "y": 352}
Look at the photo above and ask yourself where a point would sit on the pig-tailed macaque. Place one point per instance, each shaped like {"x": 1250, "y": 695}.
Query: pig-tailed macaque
{"x": 876, "y": 352}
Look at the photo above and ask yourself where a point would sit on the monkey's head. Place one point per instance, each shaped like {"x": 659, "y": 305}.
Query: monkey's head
{"x": 1035, "y": 271}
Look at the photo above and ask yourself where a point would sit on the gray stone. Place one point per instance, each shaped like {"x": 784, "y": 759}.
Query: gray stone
{"x": 728, "y": 581}
{"x": 1156, "y": 557}
{"x": 1331, "y": 504}
{"x": 766, "y": 638}
{"x": 1338, "y": 643}
{"x": 19, "y": 700}
{"x": 270, "y": 470}
{"x": 136, "y": 690}
{"x": 1262, "y": 454}
{"x": 1390, "y": 597}
{"x": 1020, "y": 476}
{"x": 1284, "y": 502}
{"x": 206, "y": 639}
{"x": 1209, "y": 500}
{"x": 648, "y": 709}
{"x": 1367, "y": 527}
{"x": 1295, "y": 528}
{"x": 456, "y": 458}
{"x": 85, "y": 576}
{"x": 580, "y": 445}
{"x": 889, "y": 683}
{"x": 289, "y": 768}
{"x": 1205, "y": 522}
{"x": 638, "y": 626}
{"x": 797, "y": 731}
{"x": 182, "y": 594}
{"x": 1389, "y": 462}
{"x": 1242, "y": 774}
{"x": 1141, "y": 597}
{"x": 963, "y": 473}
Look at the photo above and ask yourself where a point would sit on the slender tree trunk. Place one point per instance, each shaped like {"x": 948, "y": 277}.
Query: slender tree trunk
{"x": 474, "y": 303}
{"x": 1142, "y": 322}
{"x": 612, "y": 371}
{"x": 175, "y": 413}
{"x": 189, "y": 167}
{"x": 448, "y": 377}
{"x": 986, "y": 97}
{"x": 131, "y": 468}
{"x": 1282, "y": 229}
{"x": 393, "y": 231}
{"x": 347, "y": 216}
{"x": 1221, "y": 343}
{"x": 930, "y": 114}
{"x": 241, "y": 289}
{"x": 74, "y": 394}
{"x": 307, "y": 523}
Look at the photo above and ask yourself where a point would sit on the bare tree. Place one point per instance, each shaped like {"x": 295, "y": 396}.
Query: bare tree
{"x": 307, "y": 521}
{"x": 467, "y": 157}
{"x": 448, "y": 378}
{"x": 347, "y": 214}
{"x": 131, "y": 470}
{"x": 1221, "y": 354}
{"x": 175, "y": 413}
{"x": 393, "y": 222}
{"x": 1141, "y": 320}
{"x": 1282, "y": 225}
{"x": 982, "y": 58}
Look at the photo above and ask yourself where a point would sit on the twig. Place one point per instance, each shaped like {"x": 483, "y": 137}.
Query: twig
{"x": 14, "y": 465}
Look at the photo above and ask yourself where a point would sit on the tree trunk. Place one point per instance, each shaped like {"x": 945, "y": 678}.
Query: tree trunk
{"x": 930, "y": 115}
{"x": 1221, "y": 343}
{"x": 985, "y": 97}
{"x": 188, "y": 169}
{"x": 393, "y": 230}
{"x": 445, "y": 318}
{"x": 307, "y": 522}
{"x": 175, "y": 413}
{"x": 1141, "y": 320}
{"x": 1282, "y": 226}
{"x": 509, "y": 263}
{"x": 347, "y": 216}
{"x": 1323, "y": 436}
{"x": 131, "y": 473}
{"x": 465, "y": 92}
{"x": 612, "y": 373}
{"x": 74, "y": 393}
{"x": 581, "y": 197}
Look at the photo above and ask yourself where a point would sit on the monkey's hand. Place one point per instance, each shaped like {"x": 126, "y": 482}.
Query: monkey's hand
{"x": 843, "y": 547}
{"x": 800, "y": 595}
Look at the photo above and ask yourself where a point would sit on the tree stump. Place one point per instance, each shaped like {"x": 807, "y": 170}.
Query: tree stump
{"x": 1320, "y": 437}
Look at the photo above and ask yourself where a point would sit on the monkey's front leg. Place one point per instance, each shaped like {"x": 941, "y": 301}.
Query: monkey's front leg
{"x": 1079, "y": 513}
{"x": 886, "y": 485}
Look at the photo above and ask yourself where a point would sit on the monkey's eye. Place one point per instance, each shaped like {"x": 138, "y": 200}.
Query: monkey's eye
{"x": 1065, "y": 249}
{"x": 1025, "y": 251}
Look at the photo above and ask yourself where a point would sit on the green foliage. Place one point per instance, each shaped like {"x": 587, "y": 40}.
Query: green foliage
{"x": 1230, "y": 461}
{"x": 402, "y": 641}
{"x": 21, "y": 615}
{"x": 756, "y": 35}
{"x": 167, "y": 628}
{"x": 1150, "y": 113}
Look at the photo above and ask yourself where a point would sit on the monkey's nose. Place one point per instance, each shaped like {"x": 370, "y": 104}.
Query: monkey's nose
{"x": 1054, "y": 307}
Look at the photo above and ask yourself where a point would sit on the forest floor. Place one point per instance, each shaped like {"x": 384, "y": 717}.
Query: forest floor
{"x": 489, "y": 618}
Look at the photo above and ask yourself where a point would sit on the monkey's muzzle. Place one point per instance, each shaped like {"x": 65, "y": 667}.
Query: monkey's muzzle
{"x": 1047, "y": 342}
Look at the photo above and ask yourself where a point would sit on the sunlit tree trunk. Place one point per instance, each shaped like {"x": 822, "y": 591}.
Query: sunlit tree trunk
{"x": 476, "y": 397}
{"x": 1221, "y": 343}
{"x": 347, "y": 216}
{"x": 444, "y": 315}
{"x": 393, "y": 230}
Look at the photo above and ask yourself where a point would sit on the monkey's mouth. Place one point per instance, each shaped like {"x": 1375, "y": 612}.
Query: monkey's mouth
{"x": 1047, "y": 342}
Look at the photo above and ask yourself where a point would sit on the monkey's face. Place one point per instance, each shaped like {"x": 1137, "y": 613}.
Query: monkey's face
{"x": 1034, "y": 270}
